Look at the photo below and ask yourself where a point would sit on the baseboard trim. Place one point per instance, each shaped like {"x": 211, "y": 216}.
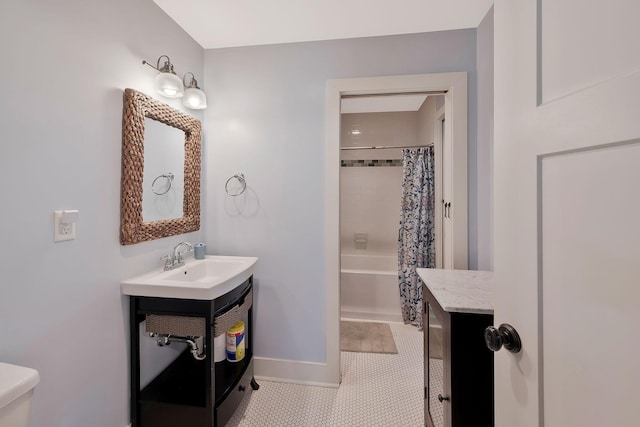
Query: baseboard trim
{"x": 363, "y": 315}
{"x": 292, "y": 372}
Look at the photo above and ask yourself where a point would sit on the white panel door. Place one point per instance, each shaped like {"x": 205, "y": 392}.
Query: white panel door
{"x": 567, "y": 211}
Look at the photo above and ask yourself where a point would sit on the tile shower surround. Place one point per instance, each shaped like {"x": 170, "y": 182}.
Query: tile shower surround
{"x": 370, "y": 163}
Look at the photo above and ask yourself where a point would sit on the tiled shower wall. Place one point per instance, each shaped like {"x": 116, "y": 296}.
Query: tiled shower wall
{"x": 370, "y": 163}
{"x": 371, "y": 180}
{"x": 370, "y": 203}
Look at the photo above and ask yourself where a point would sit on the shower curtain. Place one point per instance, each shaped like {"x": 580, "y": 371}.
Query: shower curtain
{"x": 416, "y": 238}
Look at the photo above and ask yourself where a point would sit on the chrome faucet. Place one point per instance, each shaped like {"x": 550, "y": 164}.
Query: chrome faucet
{"x": 176, "y": 259}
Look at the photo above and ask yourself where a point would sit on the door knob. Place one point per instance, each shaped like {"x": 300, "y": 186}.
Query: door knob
{"x": 505, "y": 335}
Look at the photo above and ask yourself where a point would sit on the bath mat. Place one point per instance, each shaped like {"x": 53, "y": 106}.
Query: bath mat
{"x": 366, "y": 337}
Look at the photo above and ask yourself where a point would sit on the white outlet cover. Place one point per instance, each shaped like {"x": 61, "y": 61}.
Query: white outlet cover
{"x": 62, "y": 231}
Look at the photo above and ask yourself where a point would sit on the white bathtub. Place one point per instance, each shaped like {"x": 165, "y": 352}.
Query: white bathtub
{"x": 369, "y": 287}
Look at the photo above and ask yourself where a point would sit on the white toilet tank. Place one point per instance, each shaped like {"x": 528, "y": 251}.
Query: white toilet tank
{"x": 16, "y": 388}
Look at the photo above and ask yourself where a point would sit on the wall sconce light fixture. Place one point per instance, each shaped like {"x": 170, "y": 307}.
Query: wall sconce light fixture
{"x": 167, "y": 83}
{"x": 193, "y": 97}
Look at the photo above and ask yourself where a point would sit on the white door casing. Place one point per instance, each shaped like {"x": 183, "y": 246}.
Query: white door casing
{"x": 439, "y": 193}
{"x": 447, "y": 169}
{"x": 566, "y": 211}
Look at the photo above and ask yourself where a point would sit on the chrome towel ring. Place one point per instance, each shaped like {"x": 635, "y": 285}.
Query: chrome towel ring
{"x": 164, "y": 185}
{"x": 233, "y": 191}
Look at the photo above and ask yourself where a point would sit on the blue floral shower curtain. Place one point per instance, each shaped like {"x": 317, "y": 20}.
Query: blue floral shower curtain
{"x": 416, "y": 237}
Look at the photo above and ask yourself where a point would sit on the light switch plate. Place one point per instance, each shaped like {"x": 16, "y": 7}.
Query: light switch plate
{"x": 62, "y": 231}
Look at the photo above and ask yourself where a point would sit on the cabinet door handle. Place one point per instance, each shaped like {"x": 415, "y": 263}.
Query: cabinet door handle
{"x": 447, "y": 210}
{"x": 442, "y": 398}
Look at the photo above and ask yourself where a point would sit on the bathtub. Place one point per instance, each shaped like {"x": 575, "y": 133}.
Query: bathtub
{"x": 369, "y": 287}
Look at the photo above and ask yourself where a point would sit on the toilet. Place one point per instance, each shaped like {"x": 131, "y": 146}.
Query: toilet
{"x": 16, "y": 389}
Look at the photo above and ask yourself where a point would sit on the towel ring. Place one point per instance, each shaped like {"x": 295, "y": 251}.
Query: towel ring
{"x": 168, "y": 177}
{"x": 241, "y": 180}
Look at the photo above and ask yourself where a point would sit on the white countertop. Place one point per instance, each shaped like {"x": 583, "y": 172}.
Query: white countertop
{"x": 15, "y": 381}
{"x": 460, "y": 291}
{"x": 201, "y": 279}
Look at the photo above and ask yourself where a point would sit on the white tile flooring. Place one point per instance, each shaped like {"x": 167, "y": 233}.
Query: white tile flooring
{"x": 376, "y": 390}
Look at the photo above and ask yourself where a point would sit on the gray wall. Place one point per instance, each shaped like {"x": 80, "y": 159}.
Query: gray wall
{"x": 266, "y": 119}
{"x": 484, "y": 183}
{"x": 61, "y": 311}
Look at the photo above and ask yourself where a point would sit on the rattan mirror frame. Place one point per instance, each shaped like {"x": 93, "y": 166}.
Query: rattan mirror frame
{"x": 133, "y": 229}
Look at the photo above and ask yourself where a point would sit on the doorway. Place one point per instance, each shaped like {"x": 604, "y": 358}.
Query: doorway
{"x": 455, "y": 87}
{"x": 376, "y": 132}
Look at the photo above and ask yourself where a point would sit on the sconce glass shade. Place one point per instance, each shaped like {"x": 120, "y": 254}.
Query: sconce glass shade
{"x": 194, "y": 98}
{"x": 169, "y": 85}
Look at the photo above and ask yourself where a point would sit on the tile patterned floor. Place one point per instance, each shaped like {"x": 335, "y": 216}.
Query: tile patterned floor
{"x": 376, "y": 390}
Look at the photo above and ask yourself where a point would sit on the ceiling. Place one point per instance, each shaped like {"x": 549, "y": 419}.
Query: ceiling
{"x": 382, "y": 104}
{"x": 217, "y": 23}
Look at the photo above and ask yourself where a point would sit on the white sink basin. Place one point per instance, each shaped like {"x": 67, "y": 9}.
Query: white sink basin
{"x": 198, "y": 279}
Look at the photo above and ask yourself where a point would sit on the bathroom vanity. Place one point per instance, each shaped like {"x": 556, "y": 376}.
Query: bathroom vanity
{"x": 190, "y": 305}
{"x": 458, "y": 366}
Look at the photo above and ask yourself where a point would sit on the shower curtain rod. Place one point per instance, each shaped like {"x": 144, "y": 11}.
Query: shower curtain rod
{"x": 424, "y": 92}
{"x": 380, "y": 147}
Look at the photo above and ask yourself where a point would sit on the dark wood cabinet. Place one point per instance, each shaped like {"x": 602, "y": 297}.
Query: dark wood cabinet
{"x": 458, "y": 367}
{"x": 192, "y": 392}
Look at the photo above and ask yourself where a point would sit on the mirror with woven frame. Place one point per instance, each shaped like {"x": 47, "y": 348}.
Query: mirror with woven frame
{"x": 133, "y": 227}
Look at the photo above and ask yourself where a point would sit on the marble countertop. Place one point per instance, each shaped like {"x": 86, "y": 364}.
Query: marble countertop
{"x": 460, "y": 291}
